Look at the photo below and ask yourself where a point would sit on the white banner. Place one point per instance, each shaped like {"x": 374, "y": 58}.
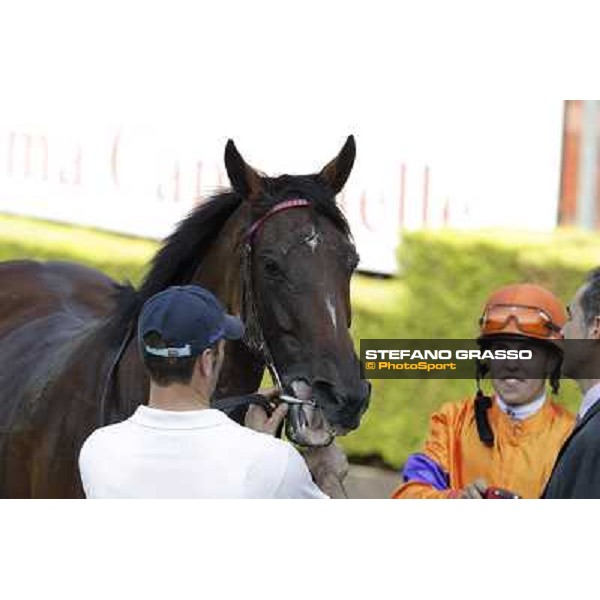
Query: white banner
{"x": 141, "y": 181}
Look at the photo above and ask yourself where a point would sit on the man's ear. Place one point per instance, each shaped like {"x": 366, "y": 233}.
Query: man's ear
{"x": 204, "y": 363}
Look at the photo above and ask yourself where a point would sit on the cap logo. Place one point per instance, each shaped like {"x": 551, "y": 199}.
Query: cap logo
{"x": 170, "y": 352}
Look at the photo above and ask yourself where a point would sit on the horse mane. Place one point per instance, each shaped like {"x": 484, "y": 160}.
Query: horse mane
{"x": 182, "y": 250}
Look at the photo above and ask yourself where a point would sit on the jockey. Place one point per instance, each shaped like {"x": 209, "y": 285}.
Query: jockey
{"x": 504, "y": 446}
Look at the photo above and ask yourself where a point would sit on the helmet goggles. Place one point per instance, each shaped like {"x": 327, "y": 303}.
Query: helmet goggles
{"x": 528, "y": 320}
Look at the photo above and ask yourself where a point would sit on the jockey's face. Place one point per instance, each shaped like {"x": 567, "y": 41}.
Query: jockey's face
{"x": 519, "y": 382}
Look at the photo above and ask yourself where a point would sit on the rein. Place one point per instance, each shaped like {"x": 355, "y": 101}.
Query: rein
{"x": 102, "y": 416}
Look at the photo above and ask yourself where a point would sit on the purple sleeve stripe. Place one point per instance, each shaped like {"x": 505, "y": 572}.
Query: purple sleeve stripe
{"x": 421, "y": 468}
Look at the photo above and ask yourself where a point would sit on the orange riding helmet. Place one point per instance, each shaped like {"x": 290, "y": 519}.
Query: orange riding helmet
{"x": 525, "y": 310}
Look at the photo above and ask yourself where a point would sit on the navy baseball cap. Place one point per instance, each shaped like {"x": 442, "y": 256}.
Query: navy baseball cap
{"x": 189, "y": 319}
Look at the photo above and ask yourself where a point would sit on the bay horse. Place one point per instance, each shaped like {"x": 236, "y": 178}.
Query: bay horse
{"x": 277, "y": 251}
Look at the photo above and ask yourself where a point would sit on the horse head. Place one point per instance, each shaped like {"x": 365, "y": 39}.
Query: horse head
{"x": 298, "y": 258}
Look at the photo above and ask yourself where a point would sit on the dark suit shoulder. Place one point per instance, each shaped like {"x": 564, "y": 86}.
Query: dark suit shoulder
{"x": 577, "y": 472}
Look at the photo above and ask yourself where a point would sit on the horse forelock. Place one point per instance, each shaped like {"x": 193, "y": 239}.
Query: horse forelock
{"x": 308, "y": 187}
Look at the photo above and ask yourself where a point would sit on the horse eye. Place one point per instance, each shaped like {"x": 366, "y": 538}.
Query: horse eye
{"x": 271, "y": 267}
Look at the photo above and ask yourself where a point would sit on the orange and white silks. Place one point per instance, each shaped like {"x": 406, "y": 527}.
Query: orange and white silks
{"x": 520, "y": 459}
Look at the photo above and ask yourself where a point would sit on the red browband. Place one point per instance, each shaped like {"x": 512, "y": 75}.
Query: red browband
{"x": 285, "y": 205}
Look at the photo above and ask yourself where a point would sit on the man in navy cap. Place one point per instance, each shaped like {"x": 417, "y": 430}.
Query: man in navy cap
{"x": 178, "y": 446}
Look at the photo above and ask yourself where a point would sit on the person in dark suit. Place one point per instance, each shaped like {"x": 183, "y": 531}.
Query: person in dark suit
{"x": 576, "y": 473}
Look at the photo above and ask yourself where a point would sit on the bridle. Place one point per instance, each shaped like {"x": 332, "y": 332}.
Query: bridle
{"x": 254, "y": 337}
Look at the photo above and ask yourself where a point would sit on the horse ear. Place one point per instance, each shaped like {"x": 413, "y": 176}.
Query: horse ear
{"x": 244, "y": 179}
{"x": 336, "y": 172}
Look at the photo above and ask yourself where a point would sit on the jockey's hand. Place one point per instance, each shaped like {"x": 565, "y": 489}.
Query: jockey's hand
{"x": 257, "y": 418}
{"x": 474, "y": 491}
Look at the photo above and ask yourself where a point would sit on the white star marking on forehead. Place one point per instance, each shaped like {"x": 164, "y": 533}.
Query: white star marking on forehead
{"x": 331, "y": 310}
{"x": 312, "y": 239}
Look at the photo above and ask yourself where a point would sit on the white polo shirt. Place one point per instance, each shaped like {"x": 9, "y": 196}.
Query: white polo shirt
{"x": 190, "y": 454}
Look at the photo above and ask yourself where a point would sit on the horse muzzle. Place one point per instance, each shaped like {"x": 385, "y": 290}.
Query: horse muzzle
{"x": 319, "y": 414}
{"x": 306, "y": 423}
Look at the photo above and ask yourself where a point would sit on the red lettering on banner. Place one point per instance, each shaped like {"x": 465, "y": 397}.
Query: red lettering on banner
{"x": 114, "y": 159}
{"x": 402, "y": 195}
{"x": 198, "y": 180}
{"x": 426, "y": 196}
{"x": 23, "y": 150}
{"x": 363, "y": 212}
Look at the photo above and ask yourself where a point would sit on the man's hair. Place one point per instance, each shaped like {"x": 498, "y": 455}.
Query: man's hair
{"x": 590, "y": 299}
{"x": 167, "y": 371}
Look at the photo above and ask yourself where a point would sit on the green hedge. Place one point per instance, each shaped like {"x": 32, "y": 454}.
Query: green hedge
{"x": 445, "y": 278}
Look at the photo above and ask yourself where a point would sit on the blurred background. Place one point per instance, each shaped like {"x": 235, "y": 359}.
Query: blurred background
{"x": 114, "y": 122}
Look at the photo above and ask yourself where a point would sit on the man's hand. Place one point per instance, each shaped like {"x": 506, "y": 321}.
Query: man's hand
{"x": 269, "y": 393}
{"x": 473, "y": 491}
{"x": 257, "y": 418}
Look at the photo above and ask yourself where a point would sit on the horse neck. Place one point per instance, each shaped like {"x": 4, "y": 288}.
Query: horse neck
{"x": 220, "y": 268}
{"x": 219, "y": 271}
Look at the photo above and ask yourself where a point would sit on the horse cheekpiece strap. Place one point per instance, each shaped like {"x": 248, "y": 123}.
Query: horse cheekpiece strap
{"x": 254, "y": 337}
{"x": 281, "y": 206}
